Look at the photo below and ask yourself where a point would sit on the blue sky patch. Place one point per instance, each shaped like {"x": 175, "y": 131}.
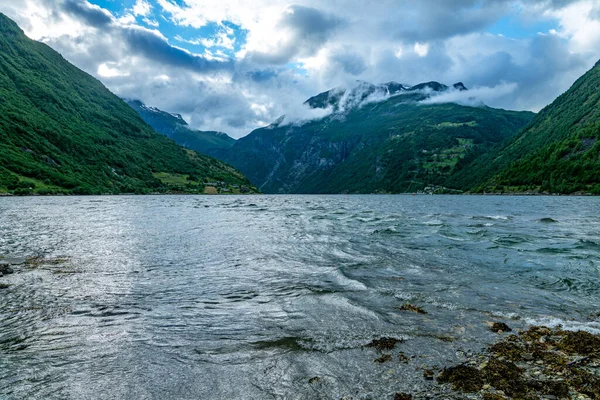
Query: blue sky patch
{"x": 515, "y": 28}
{"x": 189, "y": 38}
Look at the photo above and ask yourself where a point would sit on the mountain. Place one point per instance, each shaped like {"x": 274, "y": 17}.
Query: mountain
{"x": 376, "y": 140}
{"x": 62, "y": 131}
{"x": 558, "y": 152}
{"x": 174, "y": 126}
{"x": 341, "y": 98}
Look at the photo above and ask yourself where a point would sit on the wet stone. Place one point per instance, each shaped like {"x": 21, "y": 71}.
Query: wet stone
{"x": 383, "y": 359}
{"x": 580, "y": 342}
{"x": 563, "y": 365}
{"x": 412, "y": 308}
{"x": 385, "y": 343}
{"x": 500, "y": 327}
{"x": 5, "y": 269}
{"x": 402, "y": 396}
{"x": 428, "y": 374}
{"x": 462, "y": 377}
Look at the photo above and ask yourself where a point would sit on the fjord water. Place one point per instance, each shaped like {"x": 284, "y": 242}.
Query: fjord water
{"x": 250, "y": 297}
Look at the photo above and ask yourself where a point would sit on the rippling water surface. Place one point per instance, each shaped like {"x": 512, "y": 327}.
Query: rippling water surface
{"x": 250, "y": 297}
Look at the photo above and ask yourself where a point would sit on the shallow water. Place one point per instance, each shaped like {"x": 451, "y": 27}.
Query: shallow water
{"x": 250, "y": 297}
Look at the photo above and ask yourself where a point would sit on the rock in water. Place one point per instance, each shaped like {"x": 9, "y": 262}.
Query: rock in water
{"x": 5, "y": 269}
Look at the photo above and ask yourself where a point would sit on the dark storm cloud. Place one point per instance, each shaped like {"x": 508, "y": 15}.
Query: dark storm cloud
{"x": 93, "y": 16}
{"x": 433, "y": 20}
{"x": 261, "y": 75}
{"x": 351, "y": 62}
{"x": 310, "y": 21}
{"x": 310, "y": 30}
{"x": 154, "y": 47}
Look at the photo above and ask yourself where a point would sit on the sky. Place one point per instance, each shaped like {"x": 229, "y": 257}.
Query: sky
{"x": 237, "y": 65}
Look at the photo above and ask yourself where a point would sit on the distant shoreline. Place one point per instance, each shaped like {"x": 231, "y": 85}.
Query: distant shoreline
{"x": 308, "y": 194}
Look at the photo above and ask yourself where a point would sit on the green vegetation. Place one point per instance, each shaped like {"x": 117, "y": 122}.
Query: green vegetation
{"x": 558, "y": 152}
{"x": 394, "y": 146}
{"x": 63, "y": 132}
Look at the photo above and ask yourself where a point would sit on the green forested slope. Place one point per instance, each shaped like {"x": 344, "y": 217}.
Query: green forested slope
{"x": 392, "y": 146}
{"x": 558, "y": 152}
{"x": 62, "y": 131}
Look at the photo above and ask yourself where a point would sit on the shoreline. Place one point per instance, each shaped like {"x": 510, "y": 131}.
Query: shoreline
{"x": 307, "y": 194}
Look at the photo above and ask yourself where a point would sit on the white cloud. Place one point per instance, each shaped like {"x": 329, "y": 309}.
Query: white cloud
{"x": 579, "y": 26}
{"x": 108, "y": 70}
{"x": 142, "y": 8}
{"x": 476, "y": 96}
{"x": 421, "y": 49}
{"x": 400, "y": 40}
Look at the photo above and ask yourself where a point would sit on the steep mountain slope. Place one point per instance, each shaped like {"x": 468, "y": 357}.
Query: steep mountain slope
{"x": 558, "y": 152}
{"x": 62, "y": 131}
{"x": 365, "y": 146}
{"x": 174, "y": 126}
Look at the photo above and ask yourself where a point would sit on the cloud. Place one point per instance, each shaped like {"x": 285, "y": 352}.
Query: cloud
{"x": 349, "y": 61}
{"x": 142, "y": 7}
{"x": 429, "y": 20}
{"x": 152, "y": 45}
{"x": 233, "y": 65}
{"x": 91, "y": 14}
{"x": 474, "y": 97}
{"x": 304, "y": 31}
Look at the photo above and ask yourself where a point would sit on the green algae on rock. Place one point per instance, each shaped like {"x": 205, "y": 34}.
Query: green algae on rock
{"x": 537, "y": 362}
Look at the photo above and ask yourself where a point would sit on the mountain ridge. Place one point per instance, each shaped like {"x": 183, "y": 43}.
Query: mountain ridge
{"x": 395, "y": 145}
{"x": 557, "y": 152}
{"x": 63, "y": 132}
{"x": 338, "y": 97}
{"x": 172, "y": 125}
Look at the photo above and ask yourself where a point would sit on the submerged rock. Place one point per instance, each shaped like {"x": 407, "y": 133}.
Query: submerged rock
{"x": 385, "y": 343}
{"x": 402, "y": 396}
{"x": 500, "y": 327}
{"x": 5, "y": 269}
{"x": 428, "y": 374}
{"x": 412, "y": 308}
{"x": 383, "y": 359}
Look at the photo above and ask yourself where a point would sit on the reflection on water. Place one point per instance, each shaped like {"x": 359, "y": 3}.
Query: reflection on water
{"x": 252, "y": 297}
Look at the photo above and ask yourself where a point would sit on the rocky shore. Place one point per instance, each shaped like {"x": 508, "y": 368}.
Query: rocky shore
{"x": 539, "y": 363}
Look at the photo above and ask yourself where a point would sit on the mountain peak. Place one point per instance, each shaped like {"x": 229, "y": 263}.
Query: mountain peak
{"x": 140, "y": 105}
{"x": 433, "y": 85}
{"x": 8, "y": 26}
{"x": 460, "y": 86}
{"x": 395, "y": 87}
